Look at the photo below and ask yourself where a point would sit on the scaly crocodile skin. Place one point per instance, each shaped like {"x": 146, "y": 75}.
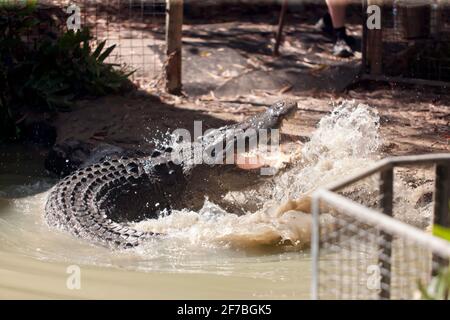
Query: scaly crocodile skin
{"x": 96, "y": 202}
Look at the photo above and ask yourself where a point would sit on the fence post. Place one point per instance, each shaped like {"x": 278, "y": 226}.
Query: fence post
{"x": 174, "y": 23}
{"x": 279, "y": 34}
{"x": 373, "y": 44}
{"x": 441, "y": 207}
{"x": 385, "y": 242}
{"x": 364, "y": 64}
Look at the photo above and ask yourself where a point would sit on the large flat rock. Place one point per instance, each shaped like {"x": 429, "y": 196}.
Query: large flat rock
{"x": 332, "y": 79}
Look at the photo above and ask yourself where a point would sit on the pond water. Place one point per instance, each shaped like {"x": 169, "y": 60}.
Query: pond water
{"x": 208, "y": 253}
{"x": 34, "y": 258}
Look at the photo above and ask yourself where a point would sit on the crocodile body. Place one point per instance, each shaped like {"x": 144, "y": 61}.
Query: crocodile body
{"x": 96, "y": 202}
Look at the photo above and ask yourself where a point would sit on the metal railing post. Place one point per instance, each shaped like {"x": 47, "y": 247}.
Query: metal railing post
{"x": 385, "y": 242}
{"x": 385, "y": 222}
{"x": 441, "y": 207}
{"x": 315, "y": 245}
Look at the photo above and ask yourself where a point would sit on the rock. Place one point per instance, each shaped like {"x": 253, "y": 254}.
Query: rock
{"x": 333, "y": 79}
{"x": 68, "y": 156}
{"x": 39, "y": 132}
{"x": 72, "y": 154}
{"x": 203, "y": 66}
{"x": 36, "y": 127}
{"x": 253, "y": 80}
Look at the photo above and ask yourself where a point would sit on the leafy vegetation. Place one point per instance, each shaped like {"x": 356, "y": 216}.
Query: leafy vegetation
{"x": 441, "y": 232}
{"x": 438, "y": 288}
{"x": 49, "y": 74}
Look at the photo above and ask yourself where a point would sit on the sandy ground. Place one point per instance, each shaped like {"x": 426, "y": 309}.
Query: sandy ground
{"x": 412, "y": 122}
{"x": 229, "y": 73}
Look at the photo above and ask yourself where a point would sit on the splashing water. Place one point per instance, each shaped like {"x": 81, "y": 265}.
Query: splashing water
{"x": 351, "y": 131}
{"x": 345, "y": 141}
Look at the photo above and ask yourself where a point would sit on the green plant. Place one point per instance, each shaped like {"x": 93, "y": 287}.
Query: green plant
{"x": 69, "y": 68}
{"x": 441, "y": 232}
{"x": 13, "y": 23}
{"x": 49, "y": 74}
{"x": 438, "y": 288}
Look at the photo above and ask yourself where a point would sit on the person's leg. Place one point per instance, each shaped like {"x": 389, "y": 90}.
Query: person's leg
{"x": 337, "y": 10}
{"x": 325, "y": 25}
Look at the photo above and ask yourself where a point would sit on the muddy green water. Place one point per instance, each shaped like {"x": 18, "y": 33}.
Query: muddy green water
{"x": 34, "y": 258}
{"x": 209, "y": 253}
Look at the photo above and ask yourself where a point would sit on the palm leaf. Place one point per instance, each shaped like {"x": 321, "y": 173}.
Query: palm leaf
{"x": 106, "y": 53}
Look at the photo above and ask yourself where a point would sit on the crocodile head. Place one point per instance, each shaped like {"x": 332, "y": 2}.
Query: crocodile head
{"x": 273, "y": 116}
{"x": 283, "y": 109}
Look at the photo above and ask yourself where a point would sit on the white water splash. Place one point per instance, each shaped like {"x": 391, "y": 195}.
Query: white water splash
{"x": 345, "y": 141}
{"x": 350, "y": 131}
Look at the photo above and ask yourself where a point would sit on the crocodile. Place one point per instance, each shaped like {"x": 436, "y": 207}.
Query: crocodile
{"x": 97, "y": 202}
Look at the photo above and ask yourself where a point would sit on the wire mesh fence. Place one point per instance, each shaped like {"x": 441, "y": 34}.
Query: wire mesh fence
{"x": 135, "y": 27}
{"x": 353, "y": 260}
{"x": 361, "y": 253}
{"x": 415, "y": 40}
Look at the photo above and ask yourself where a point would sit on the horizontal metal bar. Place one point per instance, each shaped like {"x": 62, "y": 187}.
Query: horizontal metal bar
{"x": 379, "y": 166}
{"x": 388, "y": 163}
{"x": 389, "y": 224}
{"x": 420, "y": 159}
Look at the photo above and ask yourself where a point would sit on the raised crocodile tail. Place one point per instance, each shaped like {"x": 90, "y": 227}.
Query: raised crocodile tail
{"x": 94, "y": 202}
{"x": 98, "y": 201}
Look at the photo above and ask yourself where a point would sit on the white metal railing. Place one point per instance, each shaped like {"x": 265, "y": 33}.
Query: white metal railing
{"x": 379, "y": 227}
